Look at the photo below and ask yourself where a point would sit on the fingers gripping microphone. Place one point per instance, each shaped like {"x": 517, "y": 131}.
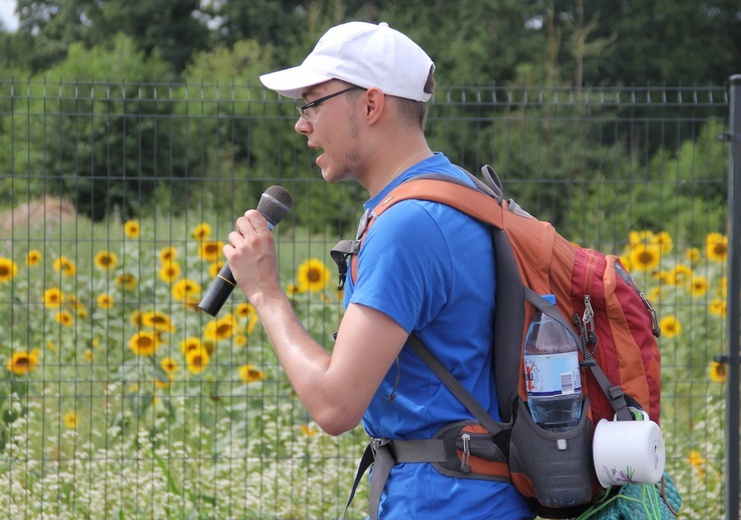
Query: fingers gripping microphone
{"x": 274, "y": 204}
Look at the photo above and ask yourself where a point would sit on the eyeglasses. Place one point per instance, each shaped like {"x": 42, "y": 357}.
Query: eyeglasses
{"x": 302, "y": 109}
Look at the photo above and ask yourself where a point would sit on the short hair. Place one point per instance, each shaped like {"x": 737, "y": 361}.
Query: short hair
{"x": 416, "y": 111}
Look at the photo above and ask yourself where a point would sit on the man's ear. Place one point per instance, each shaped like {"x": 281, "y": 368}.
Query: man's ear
{"x": 375, "y": 105}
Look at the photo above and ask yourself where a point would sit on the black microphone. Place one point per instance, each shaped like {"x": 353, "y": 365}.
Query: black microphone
{"x": 274, "y": 204}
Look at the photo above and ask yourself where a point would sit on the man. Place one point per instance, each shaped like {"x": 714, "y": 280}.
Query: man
{"x": 423, "y": 268}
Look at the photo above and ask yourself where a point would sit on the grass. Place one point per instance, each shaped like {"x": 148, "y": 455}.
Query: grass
{"x": 196, "y": 420}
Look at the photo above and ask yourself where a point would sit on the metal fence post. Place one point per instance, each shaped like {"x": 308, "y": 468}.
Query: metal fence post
{"x": 734, "y": 299}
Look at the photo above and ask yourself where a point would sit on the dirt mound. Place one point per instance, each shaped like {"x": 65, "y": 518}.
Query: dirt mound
{"x": 37, "y": 213}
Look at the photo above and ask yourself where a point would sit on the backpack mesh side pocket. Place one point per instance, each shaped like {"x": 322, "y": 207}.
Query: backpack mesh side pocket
{"x": 554, "y": 467}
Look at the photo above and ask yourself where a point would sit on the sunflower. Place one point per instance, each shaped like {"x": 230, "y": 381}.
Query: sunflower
{"x": 33, "y": 257}
{"x": 640, "y": 237}
{"x": 8, "y": 269}
{"x": 249, "y": 374}
{"x": 664, "y": 241}
{"x": 215, "y": 268}
{"x": 717, "y": 372}
{"x": 254, "y": 320}
{"x": 244, "y": 310}
{"x": 313, "y": 275}
{"x": 723, "y": 287}
{"x": 65, "y": 266}
{"x": 136, "y": 318}
{"x": 162, "y": 383}
{"x": 211, "y": 250}
{"x": 625, "y": 260}
{"x": 655, "y": 294}
{"x": 645, "y": 257}
{"x": 105, "y": 260}
{"x": 169, "y": 272}
{"x": 53, "y": 298}
{"x": 126, "y": 280}
{"x": 132, "y": 228}
{"x": 202, "y": 232}
{"x": 185, "y": 289}
{"x": 70, "y": 420}
{"x": 77, "y": 305}
{"x": 158, "y": 321}
{"x": 189, "y": 344}
{"x": 197, "y": 360}
{"x": 679, "y": 275}
{"x": 105, "y": 301}
{"x": 670, "y": 326}
{"x": 308, "y": 430}
{"x": 168, "y": 254}
{"x": 693, "y": 254}
{"x": 698, "y": 285}
{"x": 718, "y": 307}
{"x": 23, "y": 362}
{"x": 697, "y": 461}
{"x": 240, "y": 340}
{"x": 89, "y": 355}
{"x": 292, "y": 290}
{"x": 169, "y": 365}
{"x": 716, "y": 247}
{"x": 222, "y": 328}
{"x": 64, "y": 318}
{"x": 144, "y": 343}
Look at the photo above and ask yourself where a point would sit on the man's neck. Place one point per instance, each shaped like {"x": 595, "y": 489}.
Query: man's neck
{"x": 393, "y": 165}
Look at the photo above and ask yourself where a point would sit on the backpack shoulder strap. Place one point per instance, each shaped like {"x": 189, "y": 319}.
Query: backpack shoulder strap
{"x": 450, "y": 191}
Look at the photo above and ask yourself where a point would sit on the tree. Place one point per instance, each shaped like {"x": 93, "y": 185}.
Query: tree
{"x": 168, "y": 27}
{"x": 107, "y": 144}
{"x": 165, "y": 26}
{"x": 667, "y": 41}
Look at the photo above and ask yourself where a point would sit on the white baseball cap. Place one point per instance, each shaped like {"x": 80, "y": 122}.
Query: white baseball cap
{"x": 363, "y": 54}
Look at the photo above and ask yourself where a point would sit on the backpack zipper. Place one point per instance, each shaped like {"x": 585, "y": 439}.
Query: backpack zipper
{"x": 652, "y": 312}
{"x": 588, "y": 317}
{"x": 589, "y": 330}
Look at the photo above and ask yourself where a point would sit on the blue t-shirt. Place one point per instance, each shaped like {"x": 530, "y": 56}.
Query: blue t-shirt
{"x": 430, "y": 268}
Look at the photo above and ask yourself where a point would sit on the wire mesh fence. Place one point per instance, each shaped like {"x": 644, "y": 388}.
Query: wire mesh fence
{"x": 119, "y": 399}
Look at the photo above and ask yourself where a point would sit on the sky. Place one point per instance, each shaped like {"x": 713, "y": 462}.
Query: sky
{"x": 7, "y": 14}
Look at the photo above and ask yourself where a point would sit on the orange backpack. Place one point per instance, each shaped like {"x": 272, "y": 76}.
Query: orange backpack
{"x": 599, "y": 303}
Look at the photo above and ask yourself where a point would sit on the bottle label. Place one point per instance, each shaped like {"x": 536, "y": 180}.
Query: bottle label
{"x": 552, "y": 374}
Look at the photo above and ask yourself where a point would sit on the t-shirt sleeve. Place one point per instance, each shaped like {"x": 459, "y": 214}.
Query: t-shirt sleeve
{"x": 404, "y": 266}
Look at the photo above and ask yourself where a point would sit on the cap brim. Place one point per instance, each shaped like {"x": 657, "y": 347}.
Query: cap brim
{"x": 294, "y": 81}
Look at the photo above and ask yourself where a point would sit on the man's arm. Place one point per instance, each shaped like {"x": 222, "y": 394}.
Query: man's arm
{"x": 336, "y": 389}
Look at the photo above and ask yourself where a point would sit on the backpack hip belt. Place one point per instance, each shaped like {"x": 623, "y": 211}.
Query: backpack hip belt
{"x": 460, "y": 450}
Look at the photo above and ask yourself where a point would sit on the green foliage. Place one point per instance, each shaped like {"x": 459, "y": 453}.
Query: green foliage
{"x": 684, "y": 193}
{"x": 116, "y": 60}
{"x": 472, "y": 42}
{"x": 104, "y": 145}
{"x": 166, "y": 27}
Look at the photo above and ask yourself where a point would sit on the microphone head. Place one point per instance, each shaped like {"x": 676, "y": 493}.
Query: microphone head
{"x": 275, "y": 203}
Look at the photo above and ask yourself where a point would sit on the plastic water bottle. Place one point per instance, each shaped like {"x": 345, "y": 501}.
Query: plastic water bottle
{"x": 552, "y": 373}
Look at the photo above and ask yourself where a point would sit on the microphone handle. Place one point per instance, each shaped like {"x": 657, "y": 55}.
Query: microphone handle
{"x": 219, "y": 291}
{"x": 221, "y": 288}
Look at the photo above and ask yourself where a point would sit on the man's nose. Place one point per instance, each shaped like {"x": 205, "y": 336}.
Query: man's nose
{"x": 302, "y": 126}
